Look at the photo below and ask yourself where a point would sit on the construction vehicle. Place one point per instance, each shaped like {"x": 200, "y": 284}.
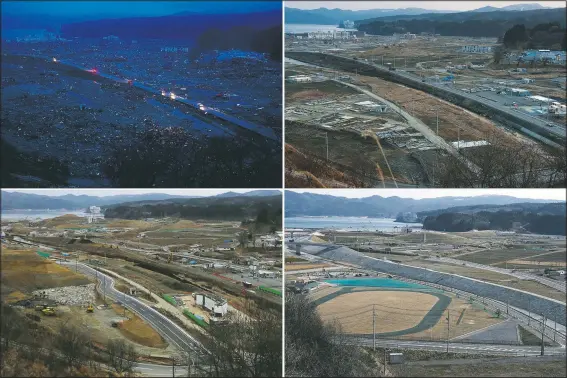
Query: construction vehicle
{"x": 40, "y": 307}
{"x": 49, "y": 311}
{"x": 90, "y": 308}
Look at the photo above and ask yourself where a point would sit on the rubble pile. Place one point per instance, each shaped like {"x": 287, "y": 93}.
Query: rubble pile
{"x": 69, "y": 295}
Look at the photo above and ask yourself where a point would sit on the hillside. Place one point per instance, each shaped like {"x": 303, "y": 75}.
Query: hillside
{"x": 310, "y": 204}
{"x": 324, "y": 16}
{"x": 19, "y": 200}
{"x": 521, "y": 221}
{"x": 269, "y": 209}
{"x": 471, "y": 24}
{"x": 305, "y": 171}
{"x": 538, "y": 208}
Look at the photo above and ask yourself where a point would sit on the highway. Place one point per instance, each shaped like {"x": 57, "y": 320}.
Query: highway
{"x": 557, "y": 131}
{"x": 174, "y": 334}
{"x": 471, "y": 348}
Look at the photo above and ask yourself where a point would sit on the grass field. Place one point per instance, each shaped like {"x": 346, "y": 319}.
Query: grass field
{"x": 395, "y": 310}
{"x": 400, "y": 310}
{"x": 495, "y": 256}
{"x": 560, "y": 256}
{"x": 297, "y": 267}
{"x": 136, "y": 330}
{"x": 26, "y": 271}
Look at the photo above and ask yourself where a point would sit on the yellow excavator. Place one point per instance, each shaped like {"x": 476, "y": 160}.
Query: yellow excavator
{"x": 49, "y": 311}
{"x": 90, "y": 308}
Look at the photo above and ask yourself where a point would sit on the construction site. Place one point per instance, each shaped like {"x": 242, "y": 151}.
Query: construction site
{"x": 408, "y": 100}
{"x": 162, "y": 285}
{"x": 466, "y": 295}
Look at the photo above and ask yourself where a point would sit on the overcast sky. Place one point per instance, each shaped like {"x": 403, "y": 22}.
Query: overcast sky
{"x": 112, "y": 192}
{"x": 436, "y": 5}
{"x": 551, "y": 194}
{"x": 134, "y": 8}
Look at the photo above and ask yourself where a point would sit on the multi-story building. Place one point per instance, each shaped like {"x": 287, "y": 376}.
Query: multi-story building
{"x": 476, "y": 49}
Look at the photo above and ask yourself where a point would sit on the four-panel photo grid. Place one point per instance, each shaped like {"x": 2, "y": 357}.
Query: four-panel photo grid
{"x": 283, "y": 188}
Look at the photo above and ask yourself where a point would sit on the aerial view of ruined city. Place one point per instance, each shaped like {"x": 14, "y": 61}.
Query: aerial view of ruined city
{"x": 425, "y": 97}
{"x": 153, "y": 284}
{"x": 141, "y": 94}
{"x": 421, "y": 283}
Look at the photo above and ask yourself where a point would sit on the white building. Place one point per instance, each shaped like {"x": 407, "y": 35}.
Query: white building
{"x": 94, "y": 214}
{"x": 408, "y": 36}
{"x": 266, "y": 273}
{"x": 216, "y": 305}
{"x": 476, "y": 49}
{"x": 372, "y": 106}
{"x": 94, "y": 209}
{"x": 299, "y": 79}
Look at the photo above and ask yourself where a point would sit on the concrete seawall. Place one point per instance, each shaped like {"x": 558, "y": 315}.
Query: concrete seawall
{"x": 552, "y": 309}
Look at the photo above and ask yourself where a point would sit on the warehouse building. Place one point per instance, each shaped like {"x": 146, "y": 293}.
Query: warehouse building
{"x": 216, "y": 305}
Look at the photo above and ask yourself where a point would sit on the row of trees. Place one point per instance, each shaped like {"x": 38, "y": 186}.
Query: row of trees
{"x": 549, "y": 35}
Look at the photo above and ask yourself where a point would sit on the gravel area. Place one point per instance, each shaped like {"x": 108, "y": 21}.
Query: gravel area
{"x": 70, "y": 295}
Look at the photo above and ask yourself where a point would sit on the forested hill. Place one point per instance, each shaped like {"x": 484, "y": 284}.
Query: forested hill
{"x": 264, "y": 209}
{"x": 471, "y": 24}
{"x": 555, "y": 208}
{"x": 547, "y": 219}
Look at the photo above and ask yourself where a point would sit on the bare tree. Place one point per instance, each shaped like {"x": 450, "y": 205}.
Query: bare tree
{"x": 315, "y": 349}
{"x": 121, "y": 356}
{"x": 73, "y": 344}
{"x": 246, "y": 346}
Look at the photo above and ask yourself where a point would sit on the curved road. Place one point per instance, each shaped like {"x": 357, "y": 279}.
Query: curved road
{"x": 166, "y": 327}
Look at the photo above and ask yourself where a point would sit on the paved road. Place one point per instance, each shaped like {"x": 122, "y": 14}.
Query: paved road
{"x": 515, "y": 350}
{"x": 557, "y": 285}
{"x": 167, "y": 328}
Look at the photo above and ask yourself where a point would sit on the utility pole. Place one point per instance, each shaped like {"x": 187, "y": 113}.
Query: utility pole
{"x": 448, "y": 325}
{"x": 374, "y": 331}
{"x": 542, "y": 333}
{"x": 327, "y": 143}
{"x": 554, "y": 326}
{"x": 384, "y": 361}
{"x": 173, "y": 366}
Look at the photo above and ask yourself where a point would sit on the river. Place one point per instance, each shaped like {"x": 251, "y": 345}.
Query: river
{"x": 348, "y": 223}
